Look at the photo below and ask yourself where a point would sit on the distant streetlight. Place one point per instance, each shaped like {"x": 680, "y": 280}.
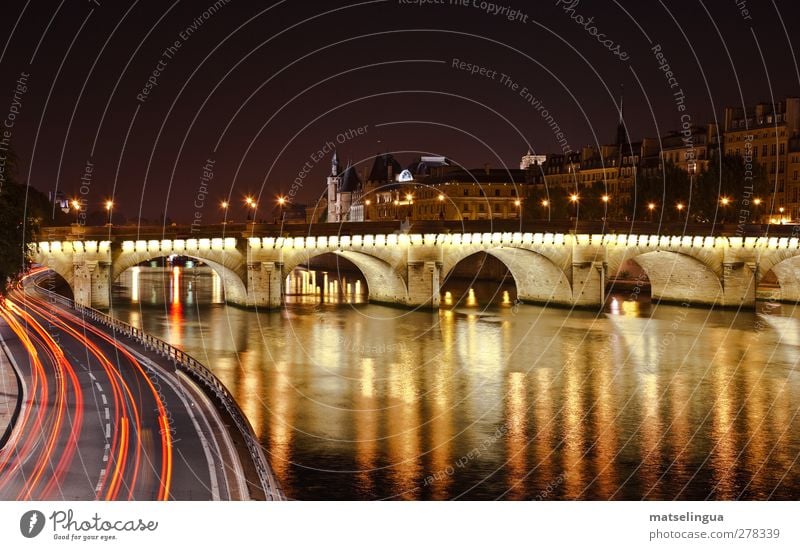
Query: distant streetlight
{"x": 281, "y": 204}
{"x": 224, "y": 206}
{"x": 605, "y": 198}
{"x": 651, "y": 207}
{"x": 782, "y": 210}
{"x": 109, "y": 208}
{"x": 575, "y": 199}
{"x": 76, "y": 205}
{"x": 757, "y": 201}
{"x": 679, "y": 207}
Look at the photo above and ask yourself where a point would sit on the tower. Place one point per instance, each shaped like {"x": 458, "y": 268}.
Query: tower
{"x": 622, "y": 135}
{"x": 333, "y": 189}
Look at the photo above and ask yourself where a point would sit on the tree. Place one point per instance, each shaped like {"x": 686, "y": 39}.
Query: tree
{"x": 23, "y": 212}
{"x": 725, "y": 191}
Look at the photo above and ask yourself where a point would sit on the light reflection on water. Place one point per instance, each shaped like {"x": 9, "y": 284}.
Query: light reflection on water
{"x": 518, "y": 402}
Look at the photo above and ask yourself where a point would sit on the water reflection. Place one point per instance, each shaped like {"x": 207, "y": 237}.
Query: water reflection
{"x": 502, "y": 401}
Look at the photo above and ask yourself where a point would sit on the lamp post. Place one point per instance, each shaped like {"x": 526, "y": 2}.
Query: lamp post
{"x": 782, "y": 210}
{"x": 109, "y": 208}
{"x": 76, "y": 205}
{"x": 518, "y": 204}
{"x": 224, "y": 207}
{"x": 575, "y": 199}
{"x": 545, "y": 206}
{"x": 679, "y": 207}
{"x": 250, "y": 203}
{"x": 441, "y": 206}
{"x": 366, "y": 209}
{"x": 757, "y": 202}
{"x": 724, "y": 201}
{"x": 281, "y": 203}
{"x": 605, "y": 199}
{"x": 651, "y": 207}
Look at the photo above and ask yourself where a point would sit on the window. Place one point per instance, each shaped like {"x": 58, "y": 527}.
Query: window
{"x": 481, "y": 207}
{"x": 465, "y": 207}
{"x": 764, "y": 150}
{"x": 783, "y": 148}
{"x": 773, "y": 149}
{"x": 513, "y": 192}
{"x": 794, "y": 175}
{"x": 496, "y": 192}
{"x": 497, "y": 207}
{"x": 466, "y": 192}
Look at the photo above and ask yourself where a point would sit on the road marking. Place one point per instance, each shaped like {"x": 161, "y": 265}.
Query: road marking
{"x": 99, "y": 387}
{"x": 103, "y": 397}
{"x": 90, "y": 374}
{"x": 108, "y": 430}
{"x": 100, "y": 482}
{"x": 107, "y": 416}
{"x": 105, "y": 452}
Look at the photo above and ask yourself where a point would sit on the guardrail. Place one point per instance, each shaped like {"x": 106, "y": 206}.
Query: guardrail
{"x": 194, "y": 368}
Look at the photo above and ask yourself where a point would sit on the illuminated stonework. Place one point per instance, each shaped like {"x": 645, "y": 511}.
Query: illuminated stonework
{"x": 562, "y": 269}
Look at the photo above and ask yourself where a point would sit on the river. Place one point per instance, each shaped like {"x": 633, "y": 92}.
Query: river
{"x": 488, "y": 399}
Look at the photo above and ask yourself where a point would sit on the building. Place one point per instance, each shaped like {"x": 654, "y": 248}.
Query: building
{"x": 476, "y": 194}
{"x": 691, "y": 149}
{"x": 765, "y": 131}
{"x": 531, "y": 160}
{"x": 345, "y": 191}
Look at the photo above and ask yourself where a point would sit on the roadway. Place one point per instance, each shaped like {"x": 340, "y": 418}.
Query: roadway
{"x": 101, "y": 421}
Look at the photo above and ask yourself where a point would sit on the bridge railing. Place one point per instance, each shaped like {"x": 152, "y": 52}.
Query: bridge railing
{"x": 194, "y": 368}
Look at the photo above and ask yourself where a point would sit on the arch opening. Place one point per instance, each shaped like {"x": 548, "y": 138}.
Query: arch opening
{"x": 379, "y": 281}
{"x": 158, "y": 280}
{"x": 479, "y": 279}
{"x": 628, "y": 291}
{"x": 328, "y": 278}
{"x": 680, "y": 278}
{"x": 780, "y": 283}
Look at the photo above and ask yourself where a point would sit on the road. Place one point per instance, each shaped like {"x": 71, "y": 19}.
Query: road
{"x": 100, "y": 421}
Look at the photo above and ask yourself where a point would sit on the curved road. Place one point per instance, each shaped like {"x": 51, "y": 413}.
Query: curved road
{"x": 101, "y": 421}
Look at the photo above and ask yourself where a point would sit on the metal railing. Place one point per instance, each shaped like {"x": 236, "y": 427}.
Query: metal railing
{"x": 194, "y": 368}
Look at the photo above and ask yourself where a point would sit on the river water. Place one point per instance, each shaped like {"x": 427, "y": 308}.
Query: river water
{"x": 487, "y": 399}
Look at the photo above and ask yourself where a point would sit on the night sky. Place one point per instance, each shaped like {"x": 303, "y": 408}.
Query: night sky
{"x": 257, "y": 88}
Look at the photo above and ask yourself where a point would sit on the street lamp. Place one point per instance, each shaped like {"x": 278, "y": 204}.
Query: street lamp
{"x": 518, "y": 204}
{"x": 680, "y": 206}
{"x": 724, "y": 201}
{"x": 281, "y": 203}
{"x": 224, "y": 206}
{"x": 782, "y": 210}
{"x": 75, "y": 203}
{"x": 574, "y": 199}
{"x": 651, "y": 207}
{"x": 109, "y": 208}
{"x": 251, "y": 203}
{"x": 441, "y": 206}
{"x": 605, "y": 198}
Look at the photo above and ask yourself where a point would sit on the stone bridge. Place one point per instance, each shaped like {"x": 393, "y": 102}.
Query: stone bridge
{"x": 408, "y": 269}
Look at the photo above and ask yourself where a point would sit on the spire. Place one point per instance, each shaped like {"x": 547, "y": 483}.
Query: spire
{"x": 622, "y": 135}
{"x": 335, "y": 164}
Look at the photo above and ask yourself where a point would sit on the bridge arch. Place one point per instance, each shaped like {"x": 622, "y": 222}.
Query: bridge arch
{"x": 535, "y": 275}
{"x": 233, "y": 285}
{"x": 786, "y": 269}
{"x": 384, "y": 282}
{"x": 679, "y": 277}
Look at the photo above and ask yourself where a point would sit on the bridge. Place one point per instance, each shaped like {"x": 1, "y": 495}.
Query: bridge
{"x": 408, "y": 269}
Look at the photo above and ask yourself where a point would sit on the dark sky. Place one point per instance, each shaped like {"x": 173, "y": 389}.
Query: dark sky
{"x": 258, "y": 87}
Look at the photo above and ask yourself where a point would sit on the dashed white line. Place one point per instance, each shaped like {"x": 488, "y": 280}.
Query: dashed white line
{"x": 90, "y": 375}
{"x": 107, "y": 415}
{"x": 100, "y": 483}
{"x": 108, "y": 430}
{"x": 103, "y": 397}
{"x": 99, "y": 387}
